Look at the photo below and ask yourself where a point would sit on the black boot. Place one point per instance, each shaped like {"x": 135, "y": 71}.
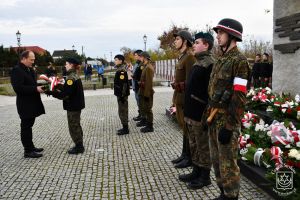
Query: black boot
{"x": 137, "y": 118}
{"x": 202, "y": 181}
{"x": 187, "y": 161}
{"x": 124, "y": 130}
{"x": 78, "y": 148}
{"x": 148, "y": 128}
{"x": 142, "y": 123}
{"x": 183, "y": 153}
{"x": 196, "y": 173}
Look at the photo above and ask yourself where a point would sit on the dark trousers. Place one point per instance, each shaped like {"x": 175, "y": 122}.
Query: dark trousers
{"x": 26, "y": 134}
{"x": 75, "y": 128}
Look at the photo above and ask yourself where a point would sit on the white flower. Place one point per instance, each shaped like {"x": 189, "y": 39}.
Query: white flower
{"x": 297, "y": 98}
{"x": 297, "y": 156}
{"x": 293, "y": 153}
{"x": 288, "y": 146}
{"x": 261, "y": 122}
{"x": 259, "y": 127}
{"x": 248, "y": 145}
{"x": 269, "y": 133}
{"x": 298, "y": 144}
{"x": 283, "y": 110}
{"x": 246, "y": 125}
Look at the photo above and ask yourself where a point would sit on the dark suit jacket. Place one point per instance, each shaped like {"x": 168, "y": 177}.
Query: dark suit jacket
{"x": 29, "y": 103}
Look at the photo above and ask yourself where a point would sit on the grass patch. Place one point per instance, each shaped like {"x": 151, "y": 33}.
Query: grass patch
{"x": 7, "y": 90}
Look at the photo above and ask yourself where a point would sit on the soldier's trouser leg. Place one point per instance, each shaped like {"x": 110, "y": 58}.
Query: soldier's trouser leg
{"x": 148, "y": 109}
{"x": 224, "y": 160}
{"x": 123, "y": 110}
{"x": 26, "y": 134}
{"x": 141, "y": 106}
{"x": 74, "y": 126}
{"x": 199, "y": 146}
{"x": 180, "y": 115}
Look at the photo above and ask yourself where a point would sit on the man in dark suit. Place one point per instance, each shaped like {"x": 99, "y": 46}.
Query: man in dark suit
{"x": 29, "y": 103}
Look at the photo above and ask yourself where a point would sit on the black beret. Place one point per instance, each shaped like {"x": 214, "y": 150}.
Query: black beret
{"x": 138, "y": 52}
{"x": 120, "y": 57}
{"x": 206, "y": 36}
{"x": 73, "y": 61}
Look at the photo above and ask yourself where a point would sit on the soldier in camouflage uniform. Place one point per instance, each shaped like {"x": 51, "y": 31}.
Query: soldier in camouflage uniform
{"x": 73, "y": 101}
{"x": 183, "y": 42}
{"x": 227, "y": 97}
{"x": 121, "y": 90}
{"x": 146, "y": 93}
{"x": 196, "y": 99}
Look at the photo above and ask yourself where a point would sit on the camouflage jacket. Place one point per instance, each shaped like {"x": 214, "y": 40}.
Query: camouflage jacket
{"x": 223, "y": 90}
{"x": 182, "y": 71}
{"x": 146, "y": 81}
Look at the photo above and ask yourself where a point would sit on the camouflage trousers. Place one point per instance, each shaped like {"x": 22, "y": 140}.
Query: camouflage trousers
{"x": 146, "y": 108}
{"x": 199, "y": 145}
{"x": 224, "y": 157}
{"x": 123, "y": 109}
{"x": 180, "y": 118}
{"x": 74, "y": 126}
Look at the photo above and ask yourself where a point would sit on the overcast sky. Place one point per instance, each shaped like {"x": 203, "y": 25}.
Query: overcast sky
{"x": 102, "y": 26}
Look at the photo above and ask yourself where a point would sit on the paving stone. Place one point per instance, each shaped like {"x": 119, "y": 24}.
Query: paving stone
{"x": 134, "y": 166}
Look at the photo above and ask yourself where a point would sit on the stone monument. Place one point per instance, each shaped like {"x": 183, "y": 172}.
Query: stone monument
{"x": 286, "y": 40}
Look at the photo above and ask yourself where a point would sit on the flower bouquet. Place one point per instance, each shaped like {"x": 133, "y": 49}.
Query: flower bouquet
{"x": 53, "y": 83}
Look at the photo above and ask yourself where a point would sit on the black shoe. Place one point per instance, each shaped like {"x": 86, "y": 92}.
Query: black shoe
{"x": 186, "y": 162}
{"x": 76, "y": 150}
{"x": 119, "y": 130}
{"x": 147, "y": 129}
{"x": 38, "y": 149}
{"x": 141, "y": 123}
{"x": 138, "y": 118}
{"x": 124, "y": 130}
{"x": 32, "y": 154}
{"x": 201, "y": 181}
{"x": 177, "y": 160}
{"x": 195, "y": 174}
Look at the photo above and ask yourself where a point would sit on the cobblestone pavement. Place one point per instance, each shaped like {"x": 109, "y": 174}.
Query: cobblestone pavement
{"x": 135, "y": 166}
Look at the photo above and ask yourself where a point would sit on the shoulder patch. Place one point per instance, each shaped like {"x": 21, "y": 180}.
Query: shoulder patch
{"x": 122, "y": 77}
{"x": 69, "y": 82}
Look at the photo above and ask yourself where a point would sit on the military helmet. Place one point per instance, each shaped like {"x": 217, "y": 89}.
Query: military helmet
{"x": 185, "y": 35}
{"x": 145, "y": 55}
{"x": 232, "y": 27}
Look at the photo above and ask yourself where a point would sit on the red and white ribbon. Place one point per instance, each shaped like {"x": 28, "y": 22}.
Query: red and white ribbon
{"x": 276, "y": 156}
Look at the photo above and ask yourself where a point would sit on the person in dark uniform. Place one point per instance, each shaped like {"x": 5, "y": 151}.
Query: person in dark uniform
{"x": 121, "y": 90}
{"x": 256, "y": 70}
{"x": 29, "y": 103}
{"x": 73, "y": 102}
{"x": 137, "y": 72}
{"x": 266, "y": 71}
{"x": 196, "y": 99}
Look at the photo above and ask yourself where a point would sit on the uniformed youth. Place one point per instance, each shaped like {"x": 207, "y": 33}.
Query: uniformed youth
{"x": 73, "y": 102}
{"x": 121, "y": 90}
{"x": 146, "y": 93}
{"x": 183, "y": 42}
{"x": 227, "y": 98}
{"x": 196, "y": 99}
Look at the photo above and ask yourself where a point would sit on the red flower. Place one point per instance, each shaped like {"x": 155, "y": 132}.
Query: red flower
{"x": 289, "y": 111}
